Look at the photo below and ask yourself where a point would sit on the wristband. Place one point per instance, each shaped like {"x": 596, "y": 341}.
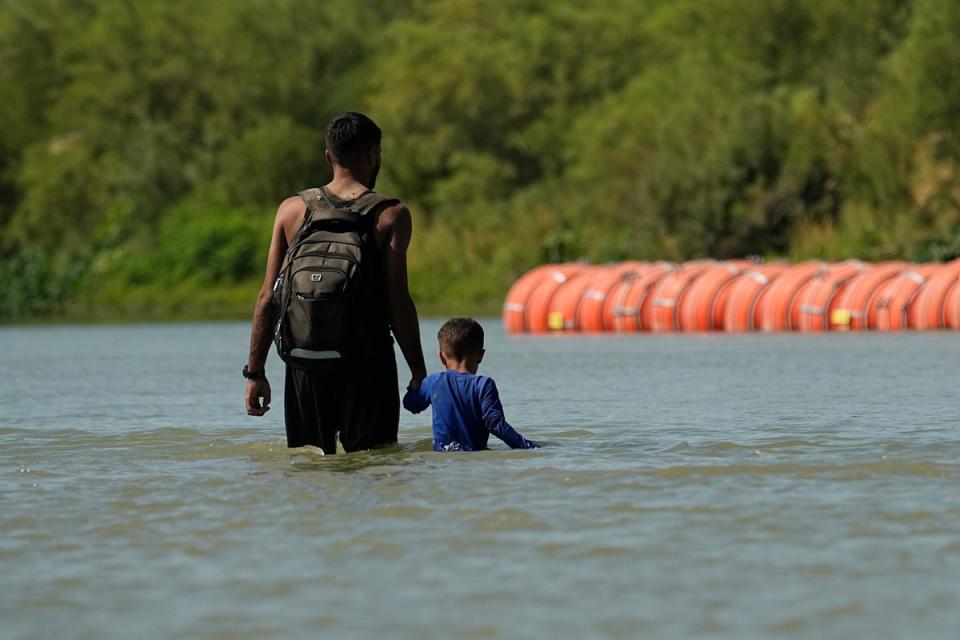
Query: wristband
{"x": 253, "y": 375}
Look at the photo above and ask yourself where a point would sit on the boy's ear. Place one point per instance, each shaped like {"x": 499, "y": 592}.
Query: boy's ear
{"x": 480, "y": 359}
{"x": 443, "y": 360}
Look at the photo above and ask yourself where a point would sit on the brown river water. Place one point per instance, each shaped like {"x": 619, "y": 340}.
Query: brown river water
{"x": 784, "y": 486}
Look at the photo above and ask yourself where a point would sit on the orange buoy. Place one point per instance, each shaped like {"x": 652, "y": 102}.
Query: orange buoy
{"x": 665, "y": 297}
{"x": 744, "y": 293}
{"x": 758, "y": 305}
{"x": 603, "y": 282}
{"x": 723, "y": 295}
{"x": 613, "y": 307}
{"x": 794, "y": 313}
{"x": 815, "y": 300}
{"x": 927, "y": 308}
{"x": 516, "y": 302}
{"x": 775, "y": 309}
{"x": 536, "y": 313}
{"x": 849, "y": 312}
{"x": 891, "y": 305}
{"x": 629, "y": 300}
{"x": 701, "y": 309}
{"x": 565, "y": 303}
{"x": 951, "y": 307}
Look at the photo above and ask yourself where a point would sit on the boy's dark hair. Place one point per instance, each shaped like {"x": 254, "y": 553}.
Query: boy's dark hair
{"x": 460, "y": 337}
{"x": 350, "y": 134}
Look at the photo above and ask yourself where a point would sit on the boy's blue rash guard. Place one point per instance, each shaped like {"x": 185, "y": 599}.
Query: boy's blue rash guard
{"x": 466, "y": 409}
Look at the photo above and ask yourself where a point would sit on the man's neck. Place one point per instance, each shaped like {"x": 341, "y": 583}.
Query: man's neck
{"x": 346, "y": 185}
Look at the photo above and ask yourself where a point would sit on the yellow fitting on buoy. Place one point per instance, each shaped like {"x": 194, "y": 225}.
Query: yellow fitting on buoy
{"x": 555, "y": 320}
{"x": 840, "y": 316}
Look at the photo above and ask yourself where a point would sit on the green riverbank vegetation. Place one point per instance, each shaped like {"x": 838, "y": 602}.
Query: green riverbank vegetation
{"x": 145, "y": 144}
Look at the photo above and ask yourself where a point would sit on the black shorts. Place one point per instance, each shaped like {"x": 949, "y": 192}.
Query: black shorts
{"x": 361, "y": 403}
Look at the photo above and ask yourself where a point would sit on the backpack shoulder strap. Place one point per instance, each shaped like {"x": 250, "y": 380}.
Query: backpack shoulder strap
{"x": 315, "y": 200}
{"x": 372, "y": 202}
{"x": 320, "y": 207}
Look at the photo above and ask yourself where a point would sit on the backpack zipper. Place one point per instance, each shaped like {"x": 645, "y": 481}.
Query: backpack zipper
{"x": 331, "y": 254}
{"x": 345, "y": 275}
{"x": 301, "y": 243}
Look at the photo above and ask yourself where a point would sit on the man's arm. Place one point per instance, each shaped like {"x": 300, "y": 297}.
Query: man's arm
{"x": 417, "y": 399}
{"x": 257, "y": 394}
{"x": 496, "y": 423}
{"x": 402, "y": 311}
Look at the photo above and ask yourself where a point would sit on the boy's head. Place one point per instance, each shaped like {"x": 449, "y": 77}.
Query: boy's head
{"x": 461, "y": 341}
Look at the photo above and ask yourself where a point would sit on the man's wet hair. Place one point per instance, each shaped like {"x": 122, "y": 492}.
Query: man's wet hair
{"x": 460, "y": 337}
{"x": 351, "y": 134}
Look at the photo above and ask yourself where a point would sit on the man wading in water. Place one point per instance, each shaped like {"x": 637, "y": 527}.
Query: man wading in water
{"x": 360, "y": 400}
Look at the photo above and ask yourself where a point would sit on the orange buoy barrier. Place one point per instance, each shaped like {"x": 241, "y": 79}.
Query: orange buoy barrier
{"x": 776, "y": 309}
{"x": 927, "y": 308}
{"x": 536, "y": 313}
{"x": 565, "y": 303}
{"x": 817, "y": 297}
{"x": 734, "y": 296}
{"x": 951, "y": 307}
{"x": 701, "y": 309}
{"x": 744, "y": 293}
{"x": 850, "y": 310}
{"x": 665, "y": 297}
{"x": 516, "y": 302}
{"x": 630, "y": 300}
{"x": 892, "y": 304}
{"x": 591, "y": 316}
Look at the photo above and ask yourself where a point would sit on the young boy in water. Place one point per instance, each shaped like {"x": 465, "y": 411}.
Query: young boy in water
{"x": 466, "y": 407}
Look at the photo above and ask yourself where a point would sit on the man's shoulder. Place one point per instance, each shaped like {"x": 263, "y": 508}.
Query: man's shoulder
{"x": 394, "y": 222}
{"x": 394, "y": 211}
{"x": 292, "y": 207}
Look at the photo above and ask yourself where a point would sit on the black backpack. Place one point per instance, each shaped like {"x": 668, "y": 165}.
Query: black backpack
{"x": 320, "y": 294}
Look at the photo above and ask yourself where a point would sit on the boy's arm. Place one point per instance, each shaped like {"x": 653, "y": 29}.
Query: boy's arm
{"x": 496, "y": 423}
{"x": 417, "y": 399}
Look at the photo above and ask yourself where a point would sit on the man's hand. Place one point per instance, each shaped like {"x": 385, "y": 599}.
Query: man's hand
{"x": 257, "y": 389}
{"x": 414, "y": 383}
